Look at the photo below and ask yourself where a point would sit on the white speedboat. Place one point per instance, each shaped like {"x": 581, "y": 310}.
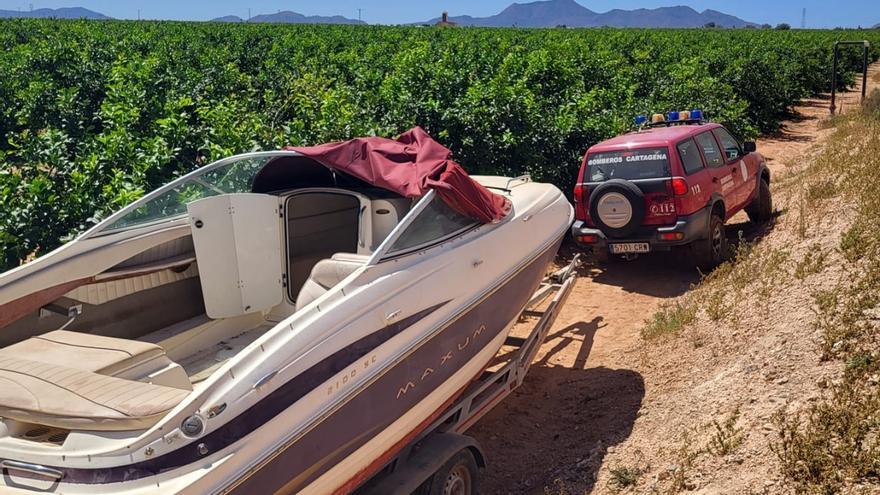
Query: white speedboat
{"x": 273, "y": 322}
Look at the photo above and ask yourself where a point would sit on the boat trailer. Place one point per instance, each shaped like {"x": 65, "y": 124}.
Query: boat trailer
{"x": 442, "y": 459}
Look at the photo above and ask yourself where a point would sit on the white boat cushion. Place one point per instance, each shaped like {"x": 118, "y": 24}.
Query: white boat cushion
{"x": 326, "y": 274}
{"x": 104, "y": 355}
{"x": 69, "y": 398}
{"x": 122, "y": 358}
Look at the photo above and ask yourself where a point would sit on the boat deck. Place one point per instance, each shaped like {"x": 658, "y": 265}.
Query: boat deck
{"x": 202, "y": 365}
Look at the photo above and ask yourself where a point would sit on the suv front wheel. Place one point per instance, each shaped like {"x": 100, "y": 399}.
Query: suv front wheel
{"x": 761, "y": 207}
{"x": 714, "y": 249}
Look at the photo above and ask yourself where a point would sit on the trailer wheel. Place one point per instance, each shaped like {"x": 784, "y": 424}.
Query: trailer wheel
{"x": 457, "y": 477}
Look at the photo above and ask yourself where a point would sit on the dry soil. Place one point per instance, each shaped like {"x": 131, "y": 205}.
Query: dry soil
{"x": 600, "y": 398}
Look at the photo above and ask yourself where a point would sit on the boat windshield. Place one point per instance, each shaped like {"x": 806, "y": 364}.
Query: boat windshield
{"x": 170, "y": 201}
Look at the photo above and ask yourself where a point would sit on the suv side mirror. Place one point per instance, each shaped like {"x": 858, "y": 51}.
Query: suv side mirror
{"x": 750, "y": 147}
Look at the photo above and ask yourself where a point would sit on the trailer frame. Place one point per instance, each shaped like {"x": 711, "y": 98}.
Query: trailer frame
{"x": 419, "y": 461}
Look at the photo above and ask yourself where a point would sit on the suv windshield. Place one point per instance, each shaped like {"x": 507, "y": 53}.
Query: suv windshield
{"x": 648, "y": 163}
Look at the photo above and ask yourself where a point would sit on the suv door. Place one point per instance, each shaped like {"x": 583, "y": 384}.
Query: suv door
{"x": 698, "y": 177}
{"x": 739, "y": 163}
{"x": 723, "y": 180}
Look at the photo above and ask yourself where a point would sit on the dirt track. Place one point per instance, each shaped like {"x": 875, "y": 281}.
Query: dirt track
{"x": 587, "y": 390}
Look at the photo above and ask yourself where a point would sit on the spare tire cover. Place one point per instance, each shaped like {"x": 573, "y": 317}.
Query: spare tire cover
{"x": 617, "y": 207}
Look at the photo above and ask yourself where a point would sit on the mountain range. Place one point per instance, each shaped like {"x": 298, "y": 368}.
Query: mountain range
{"x": 546, "y": 13}
{"x": 288, "y": 17}
{"x": 62, "y": 13}
{"x": 569, "y": 13}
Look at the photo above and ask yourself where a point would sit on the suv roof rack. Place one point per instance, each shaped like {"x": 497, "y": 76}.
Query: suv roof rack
{"x": 667, "y": 123}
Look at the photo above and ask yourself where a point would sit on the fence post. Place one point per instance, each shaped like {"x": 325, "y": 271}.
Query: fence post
{"x": 865, "y": 72}
{"x": 834, "y": 78}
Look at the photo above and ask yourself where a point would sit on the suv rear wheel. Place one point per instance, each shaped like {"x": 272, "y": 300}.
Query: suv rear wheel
{"x": 713, "y": 250}
{"x": 761, "y": 207}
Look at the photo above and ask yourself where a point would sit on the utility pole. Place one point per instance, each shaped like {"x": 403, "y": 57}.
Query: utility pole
{"x": 249, "y": 15}
{"x": 359, "y": 15}
{"x": 139, "y": 14}
{"x": 32, "y": 7}
{"x": 804, "y": 18}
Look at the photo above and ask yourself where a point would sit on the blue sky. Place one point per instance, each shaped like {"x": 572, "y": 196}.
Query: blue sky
{"x": 820, "y": 13}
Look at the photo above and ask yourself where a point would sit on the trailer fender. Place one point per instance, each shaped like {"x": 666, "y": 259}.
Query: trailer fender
{"x": 425, "y": 459}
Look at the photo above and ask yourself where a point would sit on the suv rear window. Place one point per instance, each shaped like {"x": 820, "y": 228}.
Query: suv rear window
{"x": 648, "y": 163}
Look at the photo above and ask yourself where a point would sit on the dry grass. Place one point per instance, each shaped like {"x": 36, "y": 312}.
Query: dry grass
{"x": 814, "y": 262}
{"x": 835, "y": 443}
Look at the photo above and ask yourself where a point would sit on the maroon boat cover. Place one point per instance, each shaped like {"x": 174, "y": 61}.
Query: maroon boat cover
{"x": 409, "y": 166}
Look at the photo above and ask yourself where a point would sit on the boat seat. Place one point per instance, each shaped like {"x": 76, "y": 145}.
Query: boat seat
{"x": 121, "y": 358}
{"x": 69, "y": 398}
{"x": 326, "y": 274}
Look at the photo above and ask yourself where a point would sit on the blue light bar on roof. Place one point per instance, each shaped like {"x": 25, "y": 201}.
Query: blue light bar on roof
{"x": 641, "y": 119}
{"x": 672, "y": 117}
{"x": 696, "y": 115}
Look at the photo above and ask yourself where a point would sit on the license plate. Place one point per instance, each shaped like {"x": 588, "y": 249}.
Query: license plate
{"x": 631, "y": 247}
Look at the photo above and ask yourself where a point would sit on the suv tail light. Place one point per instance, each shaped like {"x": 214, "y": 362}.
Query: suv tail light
{"x": 581, "y": 194}
{"x": 679, "y": 186}
{"x": 671, "y": 236}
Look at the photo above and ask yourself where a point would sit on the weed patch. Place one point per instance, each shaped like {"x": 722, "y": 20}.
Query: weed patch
{"x": 558, "y": 488}
{"x": 623, "y": 477}
{"x": 684, "y": 456}
{"x": 820, "y": 190}
{"x": 726, "y": 435}
{"x": 717, "y": 306}
{"x": 834, "y": 443}
{"x": 812, "y": 263}
{"x": 670, "y": 319}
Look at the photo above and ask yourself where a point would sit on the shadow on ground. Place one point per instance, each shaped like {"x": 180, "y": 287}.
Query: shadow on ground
{"x": 558, "y": 426}
{"x": 581, "y": 331}
{"x": 740, "y": 229}
{"x": 661, "y": 274}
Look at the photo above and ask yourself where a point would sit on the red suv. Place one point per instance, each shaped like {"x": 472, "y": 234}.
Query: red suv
{"x": 672, "y": 183}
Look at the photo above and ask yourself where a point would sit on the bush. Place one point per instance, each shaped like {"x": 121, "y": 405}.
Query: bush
{"x": 95, "y": 114}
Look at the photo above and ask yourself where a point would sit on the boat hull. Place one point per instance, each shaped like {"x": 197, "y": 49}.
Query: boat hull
{"x": 413, "y": 390}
